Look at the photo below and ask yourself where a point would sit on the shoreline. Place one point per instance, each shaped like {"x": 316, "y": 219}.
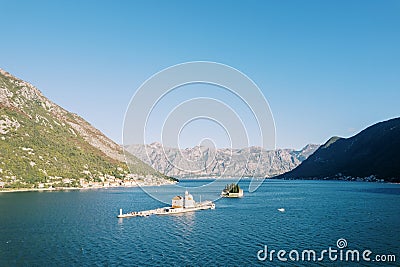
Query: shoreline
{"x": 147, "y": 185}
{"x": 74, "y": 188}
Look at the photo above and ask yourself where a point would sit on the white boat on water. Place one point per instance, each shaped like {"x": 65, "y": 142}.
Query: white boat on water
{"x": 179, "y": 205}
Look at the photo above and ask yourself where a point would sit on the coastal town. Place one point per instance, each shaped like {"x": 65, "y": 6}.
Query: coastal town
{"x": 106, "y": 181}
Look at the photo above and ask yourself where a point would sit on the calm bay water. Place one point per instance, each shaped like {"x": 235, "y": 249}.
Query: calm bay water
{"x": 80, "y": 227}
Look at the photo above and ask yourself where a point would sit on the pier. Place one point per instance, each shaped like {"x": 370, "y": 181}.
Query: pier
{"x": 179, "y": 205}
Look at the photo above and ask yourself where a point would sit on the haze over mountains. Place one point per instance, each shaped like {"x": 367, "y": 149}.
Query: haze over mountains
{"x": 371, "y": 155}
{"x": 207, "y": 162}
{"x": 42, "y": 143}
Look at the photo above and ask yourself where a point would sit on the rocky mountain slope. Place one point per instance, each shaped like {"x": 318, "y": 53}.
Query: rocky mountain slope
{"x": 206, "y": 162}
{"x": 41, "y": 143}
{"x": 371, "y": 155}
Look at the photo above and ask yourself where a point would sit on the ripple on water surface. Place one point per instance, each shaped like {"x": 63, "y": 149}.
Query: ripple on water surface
{"x": 81, "y": 228}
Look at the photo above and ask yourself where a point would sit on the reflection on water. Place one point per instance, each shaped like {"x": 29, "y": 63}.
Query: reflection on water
{"x": 184, "y": 221}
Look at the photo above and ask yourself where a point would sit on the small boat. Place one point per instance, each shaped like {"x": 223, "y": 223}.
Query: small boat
{"x": 281, "y": 209}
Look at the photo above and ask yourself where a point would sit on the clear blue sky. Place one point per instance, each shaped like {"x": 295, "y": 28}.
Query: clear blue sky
{"x": 326, "y": 67}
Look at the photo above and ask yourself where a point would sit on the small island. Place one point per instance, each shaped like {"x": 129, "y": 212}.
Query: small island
{"x": 179, "y": 205}
{"x": 232, "y": 190}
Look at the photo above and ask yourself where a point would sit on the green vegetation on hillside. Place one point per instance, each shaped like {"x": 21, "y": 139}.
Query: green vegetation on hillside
{"x": 39, "y": 146}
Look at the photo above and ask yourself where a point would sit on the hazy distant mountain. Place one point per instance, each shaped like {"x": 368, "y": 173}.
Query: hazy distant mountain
{"x": 206, "y": 162}
{"x": 41, "y": 142}
{"x": 372, "y": 154}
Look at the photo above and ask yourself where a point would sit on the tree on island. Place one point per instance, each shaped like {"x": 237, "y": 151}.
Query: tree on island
{"x": 232, "y": 188}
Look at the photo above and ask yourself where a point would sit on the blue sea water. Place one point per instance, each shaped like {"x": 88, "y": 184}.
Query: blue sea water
{"x": 80, "y": 228}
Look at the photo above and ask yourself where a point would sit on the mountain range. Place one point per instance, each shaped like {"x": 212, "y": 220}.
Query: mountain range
{"x": 371, "y": 155}
{"x": 42, "y": 143}
{"x": 201, "y": 161}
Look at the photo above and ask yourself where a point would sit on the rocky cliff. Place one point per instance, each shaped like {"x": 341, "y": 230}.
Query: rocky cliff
{"x": 207, "y": 162}
{"x": 42, "y": 143}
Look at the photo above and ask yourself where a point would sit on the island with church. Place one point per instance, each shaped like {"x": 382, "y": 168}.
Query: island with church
{"x": 180, "y": 204}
